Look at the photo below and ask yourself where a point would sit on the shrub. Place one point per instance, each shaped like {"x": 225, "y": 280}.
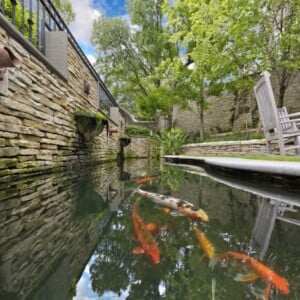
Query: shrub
{"x": 136, "y": 130}
{"x": 171, "y": 140}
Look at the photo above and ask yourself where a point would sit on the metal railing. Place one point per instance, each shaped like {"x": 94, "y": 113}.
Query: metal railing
{"x": 33, "y": 18}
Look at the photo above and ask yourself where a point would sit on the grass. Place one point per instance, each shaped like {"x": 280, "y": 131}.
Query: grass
{"x": 242, "y": 136}
{"x": 238, "y": 136}
{"x": 271, "y": 157}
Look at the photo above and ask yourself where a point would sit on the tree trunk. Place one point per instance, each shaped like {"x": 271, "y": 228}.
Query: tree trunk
{"x": 201, "y": 121}
{"x": 201, "y": 124}
{"x": 282, "y": 87}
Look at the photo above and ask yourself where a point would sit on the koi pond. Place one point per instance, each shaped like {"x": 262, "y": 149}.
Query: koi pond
{"x": 90, "y": 235}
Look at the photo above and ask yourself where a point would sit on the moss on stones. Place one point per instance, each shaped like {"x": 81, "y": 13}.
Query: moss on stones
{"x": 6, "y": 163}
{"x": 90, "y": 124}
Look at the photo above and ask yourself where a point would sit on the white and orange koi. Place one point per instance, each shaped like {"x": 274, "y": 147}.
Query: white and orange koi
{"x": 184, "y": 207}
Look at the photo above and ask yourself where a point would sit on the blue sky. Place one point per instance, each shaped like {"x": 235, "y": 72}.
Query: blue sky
{"x": 111, "y": 8}
{"x": 86, "y": 12}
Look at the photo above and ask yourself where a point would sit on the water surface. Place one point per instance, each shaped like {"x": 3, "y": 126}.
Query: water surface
{"x": 70, "y": 236}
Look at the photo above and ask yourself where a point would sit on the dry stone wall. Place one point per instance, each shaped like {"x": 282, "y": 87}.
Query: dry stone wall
{"x": 254, "y": 147}
{"x": 223, "y": 109}
{"x": 141, "y": 147}
{"x": 38, "y": 132}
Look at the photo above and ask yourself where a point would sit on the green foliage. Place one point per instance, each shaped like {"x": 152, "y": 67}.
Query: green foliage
{"x": 21, "y": 21}
{"x": 230, "y": 40}
{"x": 157, "y": 99}
{"x": 237, "y": 136}
{"x": 171, "y": 140}
{"x": 66, "y": 10}
{"x": 136, "y": 130}
{"x": 129, "y": 58}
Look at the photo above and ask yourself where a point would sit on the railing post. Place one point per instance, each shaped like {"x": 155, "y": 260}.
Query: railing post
{"x": 23, "y": 17}
{"x": 3, "y": 7}
{"x": 29, "y": 21}
{"x": 13, "y": 11}
{"x": 43, "y": 29}
{"x": 38, "y": 23}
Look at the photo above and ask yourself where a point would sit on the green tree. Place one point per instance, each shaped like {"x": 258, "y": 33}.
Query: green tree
{"x": 66, "y": 10}
{"x": 230, "y": 41}
{"x": 129, "y": 58}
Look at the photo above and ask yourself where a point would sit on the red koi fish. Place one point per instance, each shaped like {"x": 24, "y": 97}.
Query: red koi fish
{"x": 184, "y": 207}
{"x": 145, "y": 180}
{"x": 144, "y": 236}
{"x": 262, "y": 271}
{"x": 205, "y": 244}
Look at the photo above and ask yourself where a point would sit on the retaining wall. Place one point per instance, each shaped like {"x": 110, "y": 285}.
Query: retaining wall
{"x": 225, "y": 108}
{"x": 38, "y": 132}
{"x": 255, "y": 147}
{"x": 141, "y": 147}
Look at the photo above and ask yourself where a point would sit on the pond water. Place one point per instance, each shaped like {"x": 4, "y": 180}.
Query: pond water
{"x": 71, "y": 235}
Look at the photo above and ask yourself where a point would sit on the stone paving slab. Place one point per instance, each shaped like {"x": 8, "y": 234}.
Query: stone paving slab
{"x": 285, "y": 168}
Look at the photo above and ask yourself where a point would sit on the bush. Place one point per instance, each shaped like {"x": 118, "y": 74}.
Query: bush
{"x": 136, "y": 130}
{"x": 171, "y": 140}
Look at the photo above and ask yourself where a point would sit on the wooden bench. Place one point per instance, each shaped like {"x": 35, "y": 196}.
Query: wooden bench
{"x": 278, "y": 125}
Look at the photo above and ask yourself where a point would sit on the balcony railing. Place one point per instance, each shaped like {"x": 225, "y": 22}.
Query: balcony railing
{"x": 33, "y": 18}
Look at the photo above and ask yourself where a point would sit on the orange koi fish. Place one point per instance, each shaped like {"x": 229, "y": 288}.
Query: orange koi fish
{"x": 152, "y": 227}
{"x": 144, "y": 236}
{"x": 205, "y": 244}
{"x": 186, "y": 208}
{"x": 260, "y": 270}
{"x": 145, "y": 180}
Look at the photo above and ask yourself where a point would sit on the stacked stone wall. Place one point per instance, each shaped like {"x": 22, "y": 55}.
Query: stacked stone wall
{"x": 141, "y": 147}
{"x": 252, "y": 147}
{"x": 38, "y": 132}
{"x": 223, "y": 109}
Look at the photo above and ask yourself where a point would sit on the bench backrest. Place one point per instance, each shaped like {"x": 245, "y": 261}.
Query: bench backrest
{"x": 267, "y": 106}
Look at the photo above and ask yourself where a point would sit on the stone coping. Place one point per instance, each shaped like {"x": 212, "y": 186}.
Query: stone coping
{"x": 284, "y": 168}
{"x": 225, "y": 143}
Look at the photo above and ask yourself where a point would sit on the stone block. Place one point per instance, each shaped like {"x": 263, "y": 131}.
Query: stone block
{"x": 9, "y": 151}
{"x": 8, "y": 163}
{"x": 4, "y": 84}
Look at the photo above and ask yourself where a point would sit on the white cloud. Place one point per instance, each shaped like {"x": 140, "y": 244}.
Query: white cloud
{"x": 91, "y": 58}
{"x": 82, "y": 27}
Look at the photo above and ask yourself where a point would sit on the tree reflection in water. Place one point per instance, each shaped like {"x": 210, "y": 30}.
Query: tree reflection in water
{"x": 183, "y": 273}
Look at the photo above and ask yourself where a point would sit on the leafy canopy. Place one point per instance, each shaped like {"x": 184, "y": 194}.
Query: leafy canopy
{"x": 128, "y": 57}
{"x": 230, "y": 40}
{"x": 66, "y": 10}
